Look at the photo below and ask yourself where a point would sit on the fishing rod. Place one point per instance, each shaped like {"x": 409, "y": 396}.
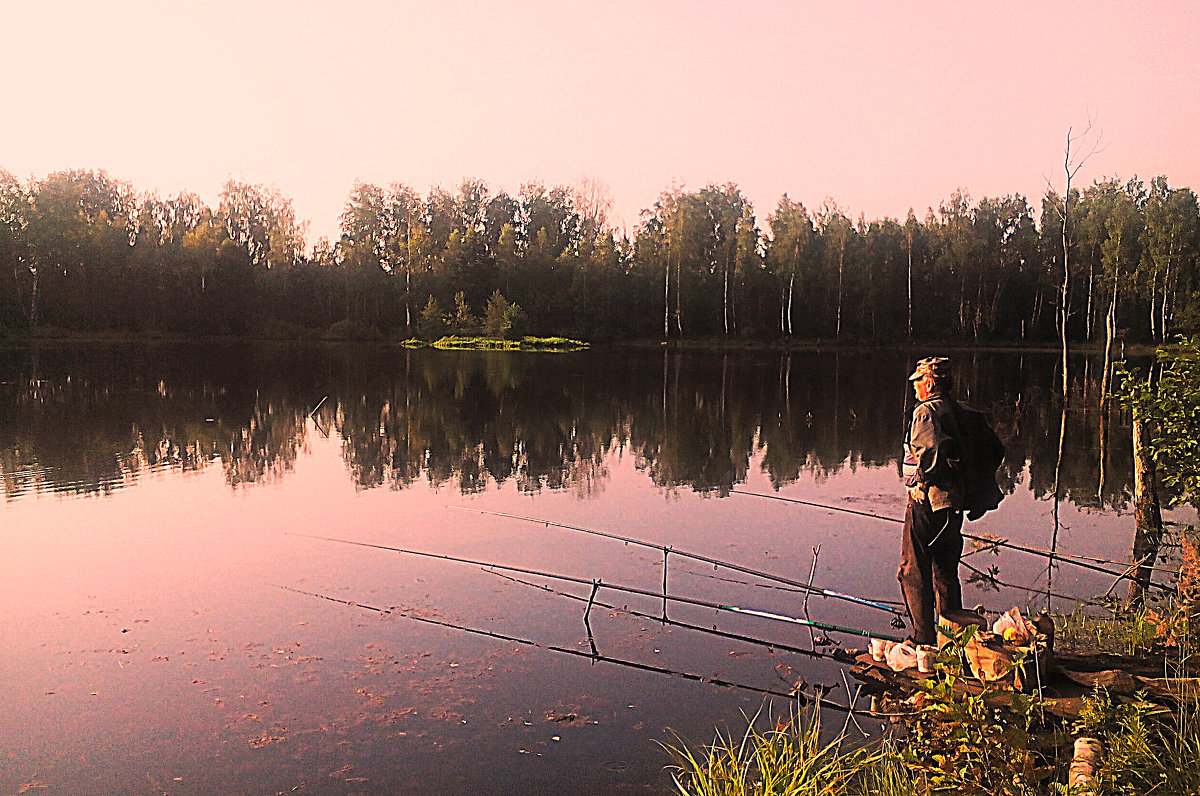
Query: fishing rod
{"x": 1067, "y": 558}
{"x": 712, "y": 631}
{"x": 795, "y": 620}
{"x": 986, "y": 544}
{"x": 592, "y": 655}
{"x": 774, "y": 587}
{"x": 898, "y": 615}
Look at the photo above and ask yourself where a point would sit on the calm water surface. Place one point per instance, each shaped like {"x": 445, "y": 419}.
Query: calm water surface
{"x": 159, "y": 504}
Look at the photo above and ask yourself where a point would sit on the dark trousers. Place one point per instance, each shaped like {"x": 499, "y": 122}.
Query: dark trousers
{"x": 929, "y": 556}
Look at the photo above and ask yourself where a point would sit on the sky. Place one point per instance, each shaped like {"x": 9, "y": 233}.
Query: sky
{"x": 881, "y": 106}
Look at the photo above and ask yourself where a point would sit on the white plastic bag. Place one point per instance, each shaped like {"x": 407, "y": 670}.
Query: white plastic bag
{"x": 1011, "y": 626}
{"x": 902, "y": 656}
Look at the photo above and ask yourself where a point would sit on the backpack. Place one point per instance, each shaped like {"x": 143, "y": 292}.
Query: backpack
{"x": 981, "y": 453}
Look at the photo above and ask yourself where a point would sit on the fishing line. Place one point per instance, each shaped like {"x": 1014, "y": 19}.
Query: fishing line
{"x": 988, "y": 545}
{"x": 898, "y": 616}
{"x": 990, "y": 578}
{"x": 645, "y": 667}
{"x": 1066, "y": 558}
{"x": 788, "y": 589}
{"x": 770, "y": 645}
{"x": 853, "y": 631}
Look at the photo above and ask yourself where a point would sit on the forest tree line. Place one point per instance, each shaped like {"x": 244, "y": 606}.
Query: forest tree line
{"x": 82, "y": 251}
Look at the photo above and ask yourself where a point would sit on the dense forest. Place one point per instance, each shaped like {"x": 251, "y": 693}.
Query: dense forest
{"x": 82, "y": 251}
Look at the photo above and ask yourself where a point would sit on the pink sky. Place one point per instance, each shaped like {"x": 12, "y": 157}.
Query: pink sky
{"x": 881, "y": 106}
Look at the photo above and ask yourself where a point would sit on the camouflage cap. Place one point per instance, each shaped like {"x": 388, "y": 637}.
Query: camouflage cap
{"x": 937, "y": 367}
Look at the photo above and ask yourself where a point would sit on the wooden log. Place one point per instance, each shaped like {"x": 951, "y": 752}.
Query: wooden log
{"x": 1086, "y": 762}
{"x": 879, "y": 677}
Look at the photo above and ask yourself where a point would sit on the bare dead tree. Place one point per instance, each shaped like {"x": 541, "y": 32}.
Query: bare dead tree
{"x": 908, "y": 236}
{"x": 1072, "y": 163}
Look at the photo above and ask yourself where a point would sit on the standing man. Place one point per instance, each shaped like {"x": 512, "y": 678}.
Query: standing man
{"x": 933, "y": 542}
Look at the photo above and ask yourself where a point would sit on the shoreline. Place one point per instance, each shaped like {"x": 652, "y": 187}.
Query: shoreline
{"x": 702, "y": 345}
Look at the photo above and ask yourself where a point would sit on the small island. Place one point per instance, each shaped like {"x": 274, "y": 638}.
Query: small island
{"x": 458, "y": 343}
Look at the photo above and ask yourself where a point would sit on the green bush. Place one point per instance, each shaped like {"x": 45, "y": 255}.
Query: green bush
{"x": 432, "y": 323}
{"x": 462, "y": 322}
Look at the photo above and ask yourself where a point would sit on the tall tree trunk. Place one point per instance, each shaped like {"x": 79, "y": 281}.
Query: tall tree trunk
{"x": 1110, "y": 333}
{"x": 1146, "y": 511}
{"x": 910, "y": 329}
{"x": 791, "y": 294}
{"x": 962, "y": 303}
{"x": 33, "y": 297}
{"x": 733, "y": 305}
{"x": 841, "y": 261}
{"x": 1163, "y": 324}
{"x": 679, "y": 294}
{"x": 1090, "y": 317}
{"x": 1154, "y": 303}
{"x": 725, "y": 296}
{"x": 667, "y": 296}
{"x": 408, "y": 282}
{"x": 977, "y": 317}
{"x": 1065, "y": 291}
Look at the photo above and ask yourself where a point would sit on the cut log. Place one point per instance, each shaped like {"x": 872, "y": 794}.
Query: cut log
{"x": 1086, "y": 762}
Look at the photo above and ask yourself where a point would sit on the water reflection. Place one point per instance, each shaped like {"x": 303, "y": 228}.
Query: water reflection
{"x": 88, "y": 420}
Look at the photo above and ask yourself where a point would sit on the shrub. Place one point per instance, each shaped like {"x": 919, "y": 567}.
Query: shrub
{"x": 463, "y": 322}
{"x": 432, "y": 323}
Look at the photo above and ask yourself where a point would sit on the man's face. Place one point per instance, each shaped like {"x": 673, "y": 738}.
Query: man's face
{"x": 923, "y": 387}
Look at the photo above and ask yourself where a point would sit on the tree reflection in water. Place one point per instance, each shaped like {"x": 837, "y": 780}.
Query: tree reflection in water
{"x": 90, "y": 419}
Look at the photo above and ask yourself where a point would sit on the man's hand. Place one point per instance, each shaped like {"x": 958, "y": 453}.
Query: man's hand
{"x": 916, "y": 493}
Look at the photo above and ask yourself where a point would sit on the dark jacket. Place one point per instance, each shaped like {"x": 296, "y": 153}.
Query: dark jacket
{"x": 953, "y": 452}
{"x": 932, "y": 451}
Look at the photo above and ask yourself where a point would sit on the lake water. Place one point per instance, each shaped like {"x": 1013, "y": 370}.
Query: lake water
{"x": 169, "y": 624}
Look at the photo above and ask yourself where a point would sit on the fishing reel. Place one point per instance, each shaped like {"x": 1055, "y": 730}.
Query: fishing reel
{"x": 898, "y": 622}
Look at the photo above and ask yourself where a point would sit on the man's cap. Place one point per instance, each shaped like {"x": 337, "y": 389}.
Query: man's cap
{"x": 937, "y": 367}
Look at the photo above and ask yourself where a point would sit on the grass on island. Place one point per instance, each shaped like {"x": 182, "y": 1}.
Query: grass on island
{"x": 453, "y": 343}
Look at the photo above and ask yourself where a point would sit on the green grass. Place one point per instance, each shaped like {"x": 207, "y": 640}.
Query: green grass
{"x": 1120, "y": 634}
{"x": 453, "y": 343}
{"x": 476, "y": 344}
{"x": 1147, "y": 749}
{"x": 788, "y": 760}
{"x": 958, "y": 744}
{"x": 1147, "y": 752}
